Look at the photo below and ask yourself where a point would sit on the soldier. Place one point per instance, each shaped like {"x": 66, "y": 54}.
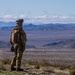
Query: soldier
{"x": 18, "y": 42}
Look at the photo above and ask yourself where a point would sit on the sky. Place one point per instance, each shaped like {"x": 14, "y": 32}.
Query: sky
{"x": 38, "y": 11}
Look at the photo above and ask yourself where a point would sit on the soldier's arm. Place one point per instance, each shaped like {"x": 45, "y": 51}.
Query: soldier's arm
{"x": 19, "y": 37}
{"x": 15, "y": 37}
{"x": 11, "y": 38}
{"x": 25, "y": 37}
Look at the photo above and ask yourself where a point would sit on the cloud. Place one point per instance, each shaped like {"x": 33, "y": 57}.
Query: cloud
{"x": 40, "y": 17}
{"x": 43, "y": 18}
{"x": 7, "y": 16}
{"x": 63, "y": 19}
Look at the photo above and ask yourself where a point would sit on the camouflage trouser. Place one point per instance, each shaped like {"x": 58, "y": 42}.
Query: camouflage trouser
{"x": 18, "y": 53}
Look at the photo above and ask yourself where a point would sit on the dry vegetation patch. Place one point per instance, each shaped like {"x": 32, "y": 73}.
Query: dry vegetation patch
{"x": 36, "y": 68}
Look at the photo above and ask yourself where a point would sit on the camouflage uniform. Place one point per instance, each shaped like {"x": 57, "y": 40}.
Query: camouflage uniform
{"x": 18, "y": 41}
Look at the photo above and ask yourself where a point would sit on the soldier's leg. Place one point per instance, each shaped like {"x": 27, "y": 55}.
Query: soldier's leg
{"x": 19, "y": 58}
{"x": 13, "y": 62}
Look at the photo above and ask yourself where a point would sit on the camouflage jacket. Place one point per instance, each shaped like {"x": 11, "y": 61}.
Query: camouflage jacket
{"x": 18, "y": 36}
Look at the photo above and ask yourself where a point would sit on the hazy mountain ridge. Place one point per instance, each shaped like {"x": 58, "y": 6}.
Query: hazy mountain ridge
{"x": 49, "y": 31}
{"x": 69, "y": 43}
{"x": 43, "y": 27}
{"x": 8, "y": 45}
{"x": 2, "y": 24}
{"x": 4, "y": 44}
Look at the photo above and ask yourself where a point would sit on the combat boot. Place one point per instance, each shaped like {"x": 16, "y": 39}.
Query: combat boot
{"x": 13, "y": 69}
{"x": 19, "y": 69}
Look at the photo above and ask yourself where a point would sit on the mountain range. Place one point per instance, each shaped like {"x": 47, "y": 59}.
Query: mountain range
{"x": 41, "y": 34}
{"x": 69, "y": 43}
{"x": 33, "y": 27}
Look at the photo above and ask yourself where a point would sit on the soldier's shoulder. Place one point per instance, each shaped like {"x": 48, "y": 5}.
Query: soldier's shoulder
{"x": 15, "y": 31}
{"x": 22, "y": 31}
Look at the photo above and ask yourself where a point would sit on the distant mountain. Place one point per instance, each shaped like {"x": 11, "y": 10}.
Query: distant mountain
{"x": 70, "y": 43}
{"x": 8, "y": 45}
{"x": 2, "y": 24}
{"x": 4, "y": 44}
{"x": 46, "y": 27}
{"x": 43, "y": 27}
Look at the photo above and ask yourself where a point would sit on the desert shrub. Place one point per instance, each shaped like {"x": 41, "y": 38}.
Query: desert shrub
{"x": 72, "y": 72}
{"x": 37, "y": 66}
{"x": 44, "y": 63}
{"x": 63, "y": 67}
{"x": 31, "y": 62}
{"x": 61, "y": 74}
{"x": 48, "y": 70}
{"x": 6, "y": 61}
{"x": 2, "y": 66}
{"x": 35, "y": 63}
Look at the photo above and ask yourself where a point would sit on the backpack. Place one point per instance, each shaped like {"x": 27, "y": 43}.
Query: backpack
{"x": 14, "y": 36}
{"x": 18, "y": 36}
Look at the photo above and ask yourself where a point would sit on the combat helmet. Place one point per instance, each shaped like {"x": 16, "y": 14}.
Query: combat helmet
{"x": 19, "y": 21}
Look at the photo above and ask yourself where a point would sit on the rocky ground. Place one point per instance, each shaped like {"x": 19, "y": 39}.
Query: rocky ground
{"x": 35, "y": 67}
{"x": 35, "y": 70}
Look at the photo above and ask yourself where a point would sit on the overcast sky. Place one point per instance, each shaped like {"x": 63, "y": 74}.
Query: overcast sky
{"x": 38, "y": 11}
